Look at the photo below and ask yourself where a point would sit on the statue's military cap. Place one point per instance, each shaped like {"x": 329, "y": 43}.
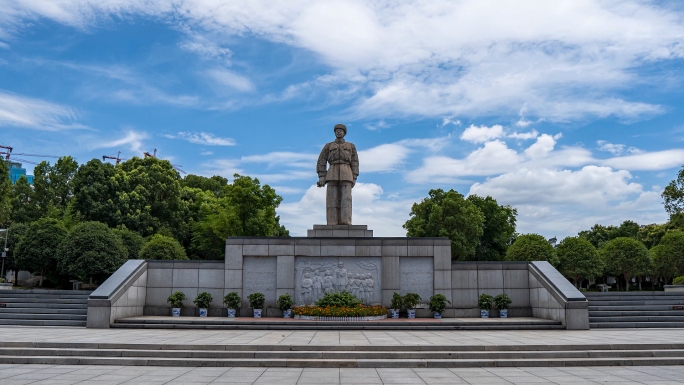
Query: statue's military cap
{"x": 342, "y": 126}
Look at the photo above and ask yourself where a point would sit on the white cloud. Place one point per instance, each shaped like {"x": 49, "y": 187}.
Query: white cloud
{"x": 616, "y": 149}
{"x": 561, "y": 60}
{"x": 650, "y": 161}
{"x": 204, "y": 138}
{"x": 482, "y": 134}
{"x": 204, "y": 47}
{"x": 541, "y": 148}
{"x": 284, "y": 159}
{"x": 447, "y": 121}
{"x": 21, "y": 111}
{"x": 523, "y": 135}
{"x": 231, "y": 79}
{"x": 133, "y": 139}
{"x": 382, "y": 158}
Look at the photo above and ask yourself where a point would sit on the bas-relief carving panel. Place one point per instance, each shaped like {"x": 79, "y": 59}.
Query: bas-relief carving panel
{"x": 315, "y": 276}
{"x": 259, "y": 275}
{"x": 417, "y": 274}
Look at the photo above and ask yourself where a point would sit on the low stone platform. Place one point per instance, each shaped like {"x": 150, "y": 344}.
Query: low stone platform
{"x": 270, "y": 323}
{"x": 340, "y": 349}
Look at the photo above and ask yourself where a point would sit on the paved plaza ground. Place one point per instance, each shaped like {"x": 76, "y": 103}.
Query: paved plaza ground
{"x": 15, "y": 374}
{"x": 106, "y": 375}
{"x": 342, "y": 338}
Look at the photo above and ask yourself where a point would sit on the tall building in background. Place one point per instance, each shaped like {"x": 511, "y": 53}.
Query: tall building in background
{"x": 16, "y": 171}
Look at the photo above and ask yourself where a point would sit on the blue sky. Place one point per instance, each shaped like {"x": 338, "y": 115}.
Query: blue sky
{"x": 569, "y": 111}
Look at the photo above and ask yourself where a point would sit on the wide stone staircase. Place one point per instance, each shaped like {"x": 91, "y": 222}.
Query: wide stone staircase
{"x": 340, "y": 356}
{"x": 44, "y": 307}
{"x": 636, "y": 309}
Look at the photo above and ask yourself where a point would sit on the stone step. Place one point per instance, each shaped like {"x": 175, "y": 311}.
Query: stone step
{"x": 341, "y": 363}
{"x": 42, "y": 316}
{"x": 332, "y": 354}
{"x": 41, "y": 305}
{"x": 623, "y": 325}
{"x": 52, "y": 292}
{"x": 637, "y": 302}
{"x": 637, "y": 318}
{"x": 41, "y": 310}
{"x": 26, "y": 322}
{"x": 43, "y": 300}
{"x": 595, "y": 294}
{"x": 631, "y": 308}
{"x": 16, "y": 294}
{"x": 324, "y": 326}
{"x": 629, "y": 313}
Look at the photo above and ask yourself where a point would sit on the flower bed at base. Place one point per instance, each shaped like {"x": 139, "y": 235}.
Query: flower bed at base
{"x": 341, "y": 313}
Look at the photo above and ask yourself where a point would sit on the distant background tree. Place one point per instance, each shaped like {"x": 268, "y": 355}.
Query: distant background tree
{"x": 91, "y": 251}
{"x": 650, "y": 235}
{"x": 578, "y": 259}
{"x": 37, "y": 249}
{"x": 5, "y": 194}
{"x": 215, "y": 184}
{"x": 670, "y": 251}
{"x": 498, "y": 228}
{"x": 24, "y": 206}
{"x": 96, "y": 192}
{"x": 132, "y": 241}
{"x": 15, "y": 231}
{"x": 599, "y": 234}
{"x": 448, "y": 214}
{"x": 673, "y": 195}
{"x": 625, "y": 257}
{"x": 531, "y": 247}
{"x": 162, "y": 247}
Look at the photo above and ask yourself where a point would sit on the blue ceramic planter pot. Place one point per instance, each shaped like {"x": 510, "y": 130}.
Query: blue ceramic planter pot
{"x": 257, "y": 313}
{"x": 231, "y": 313}
{"x": 503, "y": 313}
{"x": 203, "y": 312}
{"x": 484, "y": 313}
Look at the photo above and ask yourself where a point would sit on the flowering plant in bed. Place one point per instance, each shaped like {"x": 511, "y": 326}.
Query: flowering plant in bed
{"x": 340, "y": 311}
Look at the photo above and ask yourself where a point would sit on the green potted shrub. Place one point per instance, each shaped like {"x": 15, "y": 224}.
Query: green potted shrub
{"x": 502, "y": 301}
{"x": 438, "y": 304}
{"x": 232, "y": 302}
{"x": 285, "y": 304}
{"x": 396, "y": 304}
{"x": 257, "y": 302}
{"x": 203, "y": 301}
{"x": 410, "y": 300}
{"x": 176, "y": 300}
{"x": 485, "y": 302}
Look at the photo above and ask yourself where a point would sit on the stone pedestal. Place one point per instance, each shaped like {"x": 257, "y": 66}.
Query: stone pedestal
{"x": 339, "y": 231}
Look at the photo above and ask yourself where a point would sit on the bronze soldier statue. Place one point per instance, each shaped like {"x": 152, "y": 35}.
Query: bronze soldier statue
{"x": 340, "y": 177}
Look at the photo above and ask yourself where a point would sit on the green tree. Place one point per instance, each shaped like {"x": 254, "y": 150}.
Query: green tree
{"x": 162, "y": 247}
{"x": 578, "y": 259}
{"x": 24, "y": 207}
{"x": 597, "y": 235}
{"x": 625, "y": 257}
{"x": 247, "y": 209}
{"x": 60, "y": 178}
{"x": 626, "y": 229}
{"x": 15, "y": 231}
{"x": 672, "y": 249}
{"x": 96, "y": 193}
{"x": 37, "y": 249}
{"x": 448, "y": 214}
{"x": 673, "y": 195}
{"x": 149, "y": 197}
{"x": 531, "y": 247}
{"x": 664, "y": 263}
{"x": 91, "y": 251}
{"x": 5, "y": 194}
{"x": 215, "y": 184}
{"x": 132, "y": 241}
{"x": 650, "y": 235}
{"x": 498, "y": 229}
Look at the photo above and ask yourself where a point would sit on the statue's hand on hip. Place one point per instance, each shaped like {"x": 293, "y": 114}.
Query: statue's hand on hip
{"x": 321, "y": 182}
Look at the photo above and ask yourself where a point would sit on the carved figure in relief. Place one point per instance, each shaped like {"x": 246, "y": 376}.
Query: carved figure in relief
{"x": 307, "y": 284}
{"x": 369, "y": 289}
{"x": 328, "y": 282}
{"x": 341, "y": 279}
{"x": 317, "y": 286}
{"x": 354, "y": 284}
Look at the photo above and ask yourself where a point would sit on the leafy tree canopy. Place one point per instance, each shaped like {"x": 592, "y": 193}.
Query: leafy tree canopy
{"x": 627, "y": 257}
{"x": 498, "y": 229}
{"x": 448, "y": 214}
{"x": 673, "y": 195}
{"x": 5, "y": 194}
{"x": 599, "y": 234}
{"x": 37, "y": 249}
{"x": 578, "y": 258}
{"x": 531, "y": 247}
{"x": 24, "y": 207}
{"x": 132, "y": 241}
{"x": 669, "y": 254}
{"x": 215, "y": 184}
{"x": 91, "y": 251}
{"x": 162, "y": 247}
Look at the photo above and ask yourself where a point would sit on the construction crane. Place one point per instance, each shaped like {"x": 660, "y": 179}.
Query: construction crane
{"x": 9, "y": 153}
{"x": 117, "y": 157}
{"x": 146, "y": 154}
